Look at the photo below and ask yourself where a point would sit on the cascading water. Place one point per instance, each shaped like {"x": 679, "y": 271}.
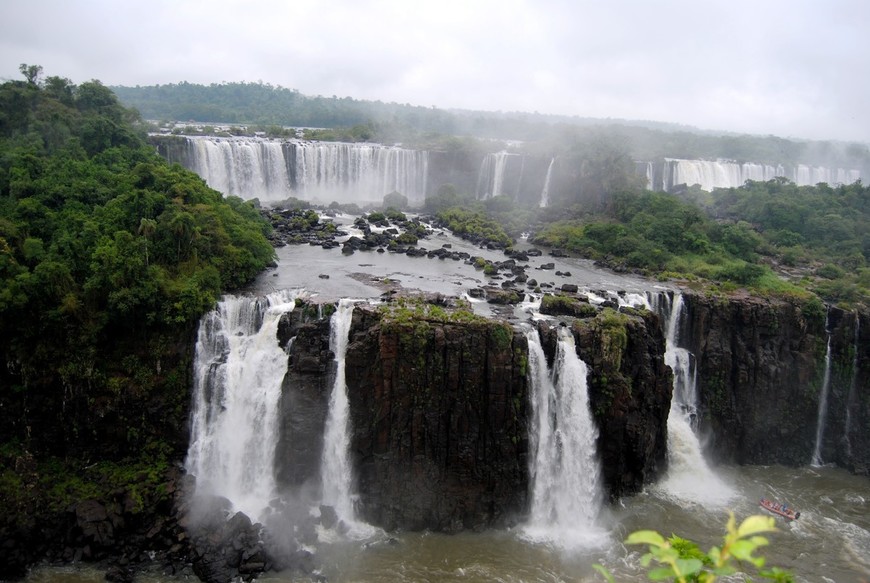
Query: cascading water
{"x": 337, "y": 171}
{"x": 272, "y": 170}
{"x": 689, "y": 478}
{"x": 710, "y": 174}
{"x": 239, "y": 369}
{"x": 566, "y": 490}
{"x": 337, "y": 471}
{"x": 545, "y": 193}
{"x": 490, "y": 179}
{"x": 823, "y": 403}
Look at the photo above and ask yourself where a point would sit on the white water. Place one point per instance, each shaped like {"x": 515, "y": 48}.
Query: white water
{"x": 545, "y": 193}
{"x": 564, "y": 467}
{"x": 337, "y": 471}
{"x": 710, "y": 174}
{"x": 239, "y": 369}
{"x": 689, "y": 477}
{"x": 490, "y": 178}
{"x": 273, "y": 170}
{"x": 823, "y": 406}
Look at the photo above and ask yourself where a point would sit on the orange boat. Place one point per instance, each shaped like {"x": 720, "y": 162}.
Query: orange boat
{"x": 783, "y": 510}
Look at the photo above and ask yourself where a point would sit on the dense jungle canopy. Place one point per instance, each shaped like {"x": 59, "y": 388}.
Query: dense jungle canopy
{"x": 108, "y": 257}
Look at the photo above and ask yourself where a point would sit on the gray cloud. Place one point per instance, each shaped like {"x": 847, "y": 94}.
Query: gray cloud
{"x": 794, "y": 69}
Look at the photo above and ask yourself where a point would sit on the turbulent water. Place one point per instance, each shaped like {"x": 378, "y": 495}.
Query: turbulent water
{"x": 830, "y": 542}
{"x": 238, "y": 372}
{"x": 689, "y": 478}
{"x": 565, "y": 471}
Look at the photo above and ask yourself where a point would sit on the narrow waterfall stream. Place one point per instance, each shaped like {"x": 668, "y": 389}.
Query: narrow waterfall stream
{"x": 823, "y": 403}
{"x": 564, "y": 466}
{"x": 337, "y": 475}
{"x": 239, "y": 369}
{"x": 689, "y": 477}
{"x": 545, "y": 193}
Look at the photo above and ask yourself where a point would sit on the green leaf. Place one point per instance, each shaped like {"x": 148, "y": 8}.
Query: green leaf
{"x": 646, "y": 537}
{"x": 756, "y": 524}
{"x": 743, "y": 549}
{"x": 686, "y": 567}
{"x": 661, "y": 573}
{"x": 604, "y": 572}
{"x": 665, "y": 554}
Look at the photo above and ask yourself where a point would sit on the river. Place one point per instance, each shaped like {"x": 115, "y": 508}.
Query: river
{"x": 830, "y": 542}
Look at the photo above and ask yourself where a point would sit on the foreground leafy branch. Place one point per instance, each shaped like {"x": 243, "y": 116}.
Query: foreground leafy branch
{"x": 683, "y": 561}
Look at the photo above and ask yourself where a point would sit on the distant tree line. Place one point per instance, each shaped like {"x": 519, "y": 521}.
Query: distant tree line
{"x": 266, "y": 105}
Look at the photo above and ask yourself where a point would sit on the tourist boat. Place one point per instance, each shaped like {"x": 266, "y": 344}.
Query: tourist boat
{"x": 783, "y": 510}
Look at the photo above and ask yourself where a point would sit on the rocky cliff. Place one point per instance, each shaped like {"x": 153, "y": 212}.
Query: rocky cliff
{"x": 761, "y": 366}
{"x": 440, "y": 410}
{"x": 439, "y": 417}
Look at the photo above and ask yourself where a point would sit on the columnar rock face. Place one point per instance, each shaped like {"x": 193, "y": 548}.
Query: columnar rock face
{"x": 439, "y": 417}
{"x": 304, "y": 397}
{"x": 629, "y": 393}
{"x": 854, "y": 449}
{"x": 761, "y": 369}
{"x": 440, "y": 411}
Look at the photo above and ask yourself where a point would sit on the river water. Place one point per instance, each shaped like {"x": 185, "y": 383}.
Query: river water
{"x": 830, "y": 542}
{"x": 362, "y": 274}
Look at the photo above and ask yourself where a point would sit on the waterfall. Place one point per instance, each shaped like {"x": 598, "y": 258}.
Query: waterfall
{"x": 490, "y": 178}
{"x": 337, "y": 471}
{"x": 545, "y": 193}
{"x": 238, "y": 373}
{"x": 852, "y": 387}
{"x": 564, "y": 469}
{"x": 689, "y": 478}
{"x": 245, "y": 167}
{"x": 272, "y": 170}
{"x": 823, "y": 403}
{"x": 710, "y": 174}
{"x": 336, "y": 171}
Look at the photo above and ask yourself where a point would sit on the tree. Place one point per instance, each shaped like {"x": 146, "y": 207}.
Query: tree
{"x": 146, "y": 229}
{"x": 31, "y": 72}
{"x": 396, "y": 201}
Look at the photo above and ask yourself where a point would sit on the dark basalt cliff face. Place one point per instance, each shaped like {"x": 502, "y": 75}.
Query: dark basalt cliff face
{"x": 440, "y": 412}
{"x": 761, "y": 368}
{"x": 439, "y": 418}
{"x": 630, "y": 395}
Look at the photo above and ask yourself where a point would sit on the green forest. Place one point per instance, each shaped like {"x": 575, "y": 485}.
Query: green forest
{"x": 108, "y": 258}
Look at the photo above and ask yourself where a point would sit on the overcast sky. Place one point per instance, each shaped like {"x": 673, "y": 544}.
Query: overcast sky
{"x": 792, "y": 68}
